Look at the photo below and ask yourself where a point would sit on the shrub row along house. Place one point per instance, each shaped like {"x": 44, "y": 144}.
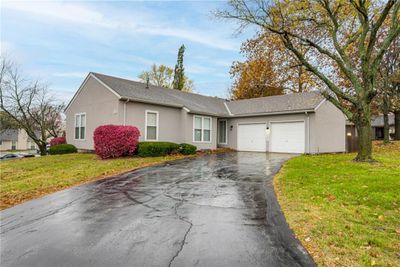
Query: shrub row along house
{"x": 295, "y": 123}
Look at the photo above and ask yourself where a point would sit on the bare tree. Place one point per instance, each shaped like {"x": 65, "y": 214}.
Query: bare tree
{"x": 342, "y": 35}
{"x": 29, "y": 104}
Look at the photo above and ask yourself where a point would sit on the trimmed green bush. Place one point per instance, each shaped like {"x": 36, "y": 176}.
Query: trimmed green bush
{"x": 154, "y": 149}
{"x": 62, "y": 149}
{"x": 187, "y": 149}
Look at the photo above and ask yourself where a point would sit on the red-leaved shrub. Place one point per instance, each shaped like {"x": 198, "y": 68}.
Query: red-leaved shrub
{"x": 113, "y": 141}
{"x": 57, "y": 141}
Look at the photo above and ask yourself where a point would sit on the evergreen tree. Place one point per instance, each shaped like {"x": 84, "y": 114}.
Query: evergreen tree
{"x": 179, "y": 76}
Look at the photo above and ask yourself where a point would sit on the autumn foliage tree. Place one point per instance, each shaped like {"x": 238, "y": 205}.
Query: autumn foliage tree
{"x": 162, "y": 75}
{"x": 268, "y": 69}
{"x": 255, "y": 77}
{"x": 346, "y": 35}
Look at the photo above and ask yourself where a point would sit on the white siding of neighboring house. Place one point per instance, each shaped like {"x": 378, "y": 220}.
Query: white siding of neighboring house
{"x": 23, "y": 142}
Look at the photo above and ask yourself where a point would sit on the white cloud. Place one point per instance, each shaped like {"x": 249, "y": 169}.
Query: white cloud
{"x": 76, "y": 13}
{"x": 140, "y": 23}
{"x": 194, "y": 68}
{"x": 70, "y": 74}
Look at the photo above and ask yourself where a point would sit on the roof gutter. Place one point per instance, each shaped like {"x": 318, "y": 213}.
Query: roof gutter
{"x": 271, "y": 113}
{"x": 125, "y": 111}
{"x": 149, "y": 102}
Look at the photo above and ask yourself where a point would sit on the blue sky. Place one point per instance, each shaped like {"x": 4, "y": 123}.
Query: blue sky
{"x": 61, "y": 41}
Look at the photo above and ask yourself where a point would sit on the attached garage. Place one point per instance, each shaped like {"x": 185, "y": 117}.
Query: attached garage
{"x": 279, "y": 137}
{"x": 252, "y": 137}
{"x": 287, "y": 137}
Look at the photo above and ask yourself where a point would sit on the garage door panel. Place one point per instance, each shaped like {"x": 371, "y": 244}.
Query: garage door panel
{"x": 287, "y": 137}
{"x": 251, "y": 137}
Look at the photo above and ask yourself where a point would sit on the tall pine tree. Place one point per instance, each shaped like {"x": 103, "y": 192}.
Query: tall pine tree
{"x": 179, "y": 76}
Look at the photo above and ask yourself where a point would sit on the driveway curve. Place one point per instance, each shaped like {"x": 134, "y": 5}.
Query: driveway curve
{"x": 214, "y": 210}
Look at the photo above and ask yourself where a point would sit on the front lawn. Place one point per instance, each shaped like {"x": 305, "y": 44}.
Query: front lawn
{"x": 29, "y": 178}
{"x": 345, "y": 213}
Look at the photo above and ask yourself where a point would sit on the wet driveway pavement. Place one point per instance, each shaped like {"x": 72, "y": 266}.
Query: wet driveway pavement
{"x": 215, "y": 210}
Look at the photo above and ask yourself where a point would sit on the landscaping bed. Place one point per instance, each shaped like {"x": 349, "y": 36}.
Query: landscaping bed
{"x": 344, "y": 213}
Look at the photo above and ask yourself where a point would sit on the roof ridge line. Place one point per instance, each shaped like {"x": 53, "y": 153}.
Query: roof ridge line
{"x": 156, "y": 86}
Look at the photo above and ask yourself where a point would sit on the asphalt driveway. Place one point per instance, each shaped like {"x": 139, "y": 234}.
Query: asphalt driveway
{"x": 215, "y": 210}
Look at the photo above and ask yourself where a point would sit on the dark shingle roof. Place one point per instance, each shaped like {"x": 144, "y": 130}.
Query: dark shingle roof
{"x": 159, "y": 95}
{"x": 9, "y": 135}
{"x": 274, "y": 104}
{"x": 196, "y": 103}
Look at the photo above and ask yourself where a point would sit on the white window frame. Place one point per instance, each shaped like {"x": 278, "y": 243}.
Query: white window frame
{"x": 202, "y": 129}
{"x": 226, "y": 132}
{"x": 145, "y": 124}
{"x": 80, "y": 114}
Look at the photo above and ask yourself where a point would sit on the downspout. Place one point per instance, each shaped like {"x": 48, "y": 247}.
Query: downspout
{"x": 125, "y": 111}
{"x": 308, "y": 133}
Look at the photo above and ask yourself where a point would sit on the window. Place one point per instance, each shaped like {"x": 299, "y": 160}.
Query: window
{"x": 202, "y": 129}
{"x": 14, "y": 145}
{"x": 151, "y": 125}
{"x": 80, "y": 126}
{"x": 222, "y": 131}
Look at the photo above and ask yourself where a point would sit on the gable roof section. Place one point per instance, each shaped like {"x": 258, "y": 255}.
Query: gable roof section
{"x": 125, "y": 89}
{"x": 9, "y": 135}
{"x": 276, "y": 104}
{"x": 137, "y": 91}
{"x": 90, "y": 75}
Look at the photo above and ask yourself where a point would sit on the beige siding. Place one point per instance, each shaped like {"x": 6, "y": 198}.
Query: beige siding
{"x": 174, "y": 125}
{"x": 330, "y": 129}
{"x": 325, "y": 129}
{"x": 100, "y": 106}
{"x": 189, "y": 138}
{"x": 169, "y": 120}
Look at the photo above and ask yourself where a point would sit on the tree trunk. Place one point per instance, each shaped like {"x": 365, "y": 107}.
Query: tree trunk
{"x": 386, "y": 128}
{"x": 363, "y": 125}
{"x": 385, "y": 119}
{"x": 43, "y": 149}
{"x": 397, "y": 125}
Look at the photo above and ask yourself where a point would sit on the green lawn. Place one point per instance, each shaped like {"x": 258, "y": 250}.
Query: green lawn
{"x": 345, "y": 213}
{"x": 29, "y": 178}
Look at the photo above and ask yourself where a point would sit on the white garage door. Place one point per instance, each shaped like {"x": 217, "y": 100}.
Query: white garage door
{"x": 287, "y": 137}
{"x": 251, "y": 137}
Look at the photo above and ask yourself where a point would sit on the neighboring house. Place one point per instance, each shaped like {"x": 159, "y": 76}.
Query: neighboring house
{"x": 376, "y": 127}
{"x": 16, "y": 139}
{"x": 295, "y": 123}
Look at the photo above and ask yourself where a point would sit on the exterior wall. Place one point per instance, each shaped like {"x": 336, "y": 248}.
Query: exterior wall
{"x": 233, "y": 127}
{"x": 174, "y": 124}
{"x": 5, "y": 145}
{"x": 101, "y": 107}
{"x": 330, "y": 129}
{"x": 189, "y": 137}
{"x": 23, "y": 142}
{"x": 169, "y": 120}
{"x": 324, "y": 129}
